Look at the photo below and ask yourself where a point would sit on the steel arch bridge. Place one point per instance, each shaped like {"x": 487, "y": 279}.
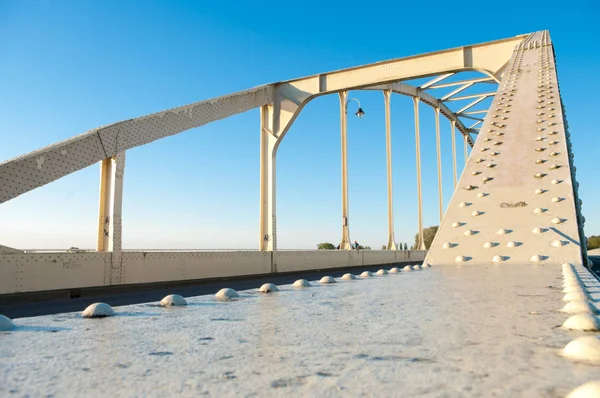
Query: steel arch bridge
{"x": 516, "y": 200}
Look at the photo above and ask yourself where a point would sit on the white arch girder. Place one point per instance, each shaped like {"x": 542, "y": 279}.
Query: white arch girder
{"x": 415, "y": 92}
{"x": 285, "y": 100}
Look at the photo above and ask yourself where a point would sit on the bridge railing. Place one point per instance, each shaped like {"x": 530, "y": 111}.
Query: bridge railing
{"x": 46, "y": 270}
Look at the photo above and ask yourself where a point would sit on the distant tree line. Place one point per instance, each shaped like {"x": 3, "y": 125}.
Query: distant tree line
{"x": 593, "y": 242}
{"x": 330, "y": 246}
{"x": 428, "y": 235}
{"x": 399, "y": 246}
{"x": 325, "y": 246}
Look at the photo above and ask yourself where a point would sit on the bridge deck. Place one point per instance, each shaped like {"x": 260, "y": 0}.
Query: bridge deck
{"x": 443, "y": 331}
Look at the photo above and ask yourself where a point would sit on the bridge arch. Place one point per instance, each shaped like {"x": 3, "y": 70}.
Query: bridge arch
{"x": 40, "y": 167}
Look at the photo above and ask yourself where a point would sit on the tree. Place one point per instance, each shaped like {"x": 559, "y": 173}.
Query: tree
{"x": 325, "y": 246}
{"x": 593, "y": 242}
{"x": 405, "y": 246}
{"x": 428, "y": 235}
{"x": 383, "y": 247}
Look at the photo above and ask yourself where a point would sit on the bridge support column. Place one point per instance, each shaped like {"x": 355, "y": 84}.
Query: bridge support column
{"x": 268, "y": 152}
{"x": 421, "y": 245}
{"x": 439, "y": 158}
{"x": 465, "y": 148}
{"x": 345, "y": 243}
{"x": 391, "y": 245}
{"x": 110, "y": 214}
{"x": 452, "y": 127}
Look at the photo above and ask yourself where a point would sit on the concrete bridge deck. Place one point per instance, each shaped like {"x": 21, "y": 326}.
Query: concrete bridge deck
{"x": 437, "y": 332}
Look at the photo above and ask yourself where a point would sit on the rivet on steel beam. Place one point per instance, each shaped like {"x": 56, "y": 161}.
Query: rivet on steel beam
{"x": 302, "y": 283}
{"x": 536, "y": 258}
{"x": 587, "y": 390}
{"x": 98, "y": 310}
{"x": 226, "y": 294}
{"x": 6, "y": 324}
{"x": 327, "y": 279}
{"x": 173, "y": 300}
{"x": 579, "y": 307}
{"x": 268, "y": 288}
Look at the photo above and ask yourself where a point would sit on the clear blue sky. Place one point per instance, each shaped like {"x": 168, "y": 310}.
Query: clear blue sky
{"x": 68, "y": 66}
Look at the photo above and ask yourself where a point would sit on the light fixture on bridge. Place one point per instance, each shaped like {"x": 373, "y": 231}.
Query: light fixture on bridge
{"x": 360, "y": 113}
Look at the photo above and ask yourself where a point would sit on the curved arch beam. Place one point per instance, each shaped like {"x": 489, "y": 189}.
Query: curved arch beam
{"x": 487, "y": 58}
{"x": 48, "y": 164}
{"x": 415, "y": 92}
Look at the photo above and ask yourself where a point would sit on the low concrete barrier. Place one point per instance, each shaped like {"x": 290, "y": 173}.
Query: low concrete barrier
{"x": 145, "y": 267}
{"x": 31, "y": 272}
{"x": 289, "y": 261}
{"x": 36, "y": 272}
